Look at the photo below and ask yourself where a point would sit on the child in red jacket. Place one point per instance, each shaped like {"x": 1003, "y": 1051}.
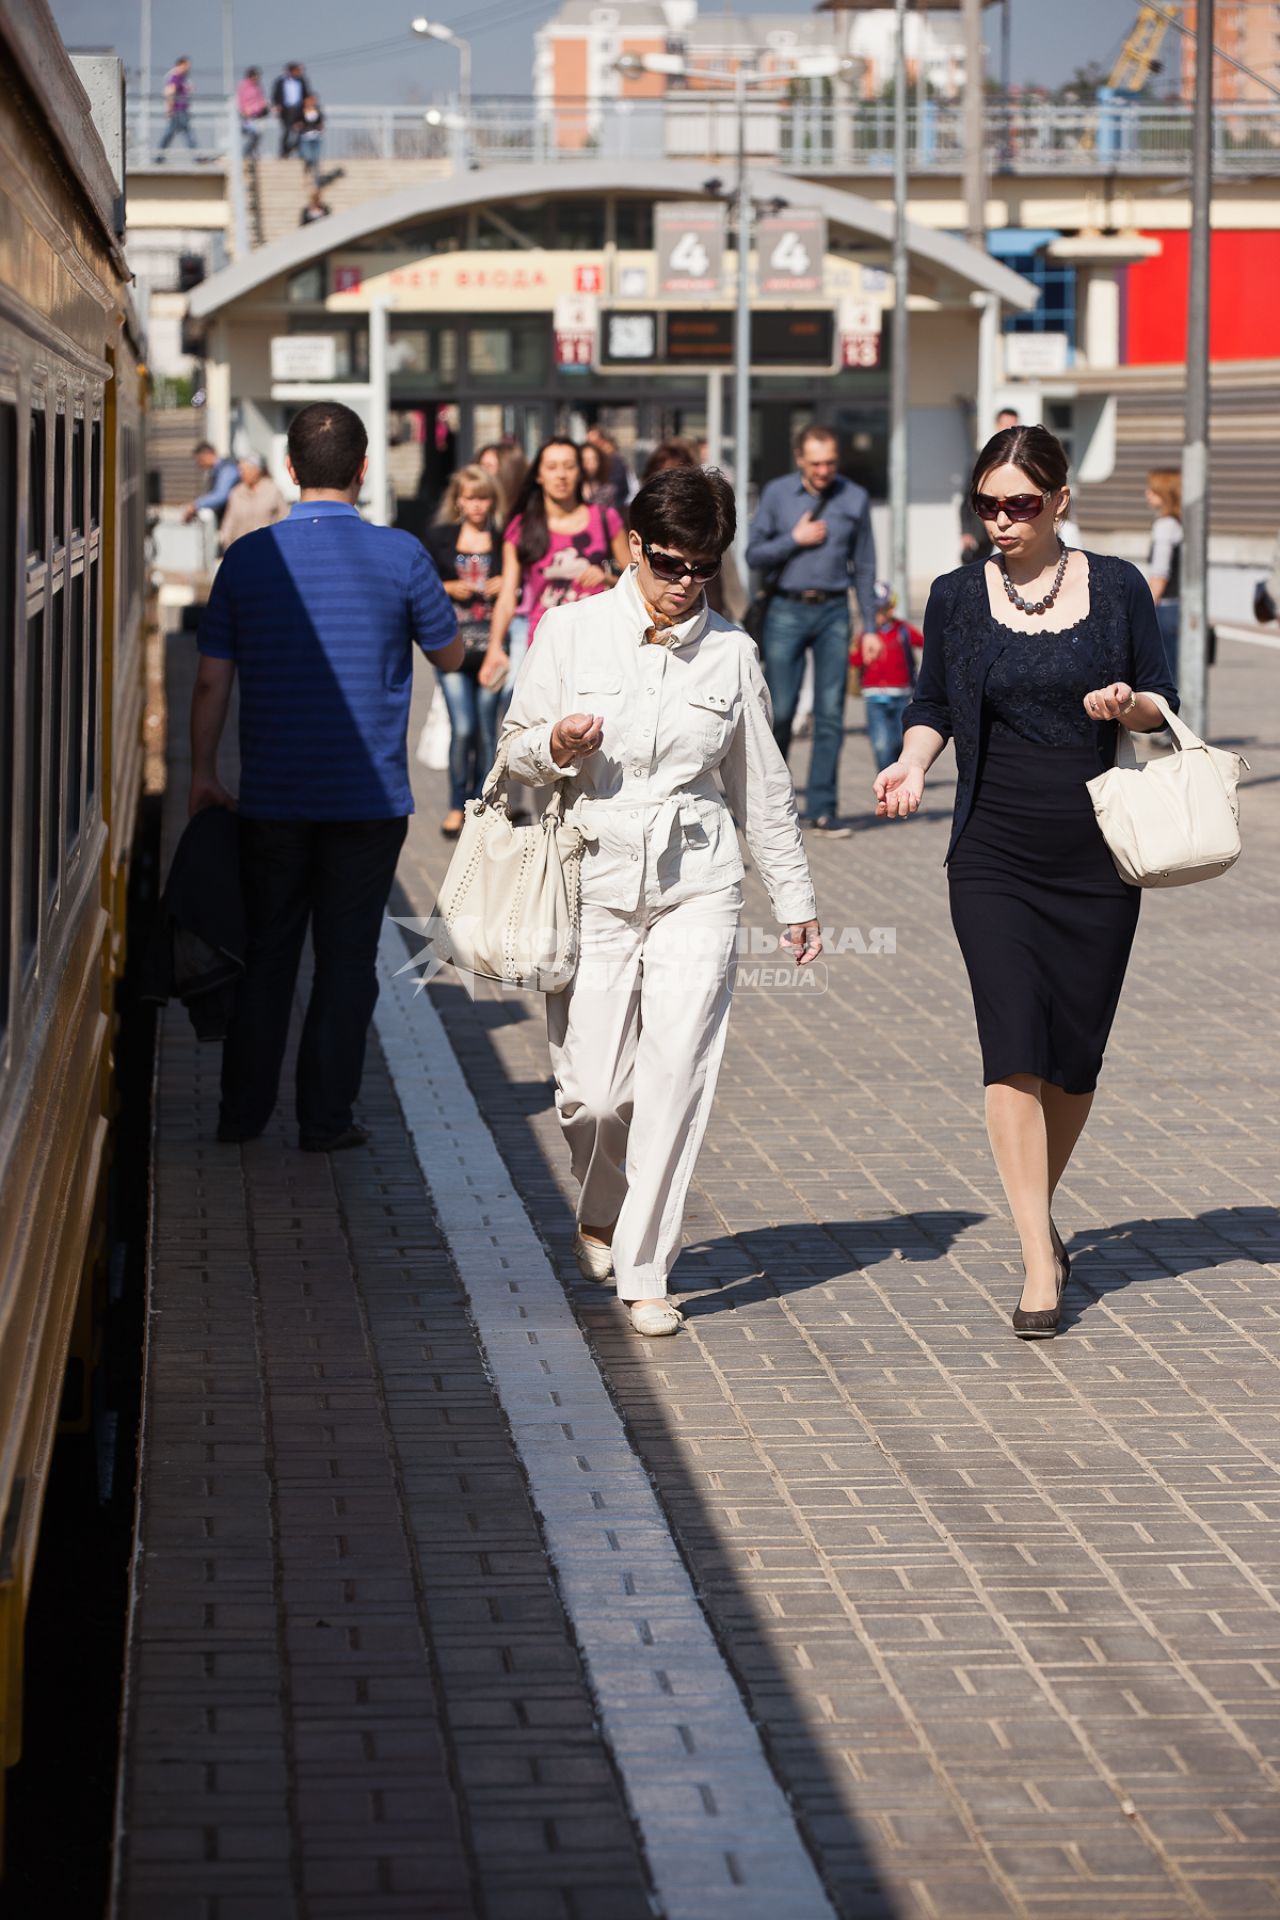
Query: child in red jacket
{"x": 888, "y": 666}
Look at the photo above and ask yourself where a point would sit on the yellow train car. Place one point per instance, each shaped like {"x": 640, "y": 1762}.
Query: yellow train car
{"x": 72, "y": 585}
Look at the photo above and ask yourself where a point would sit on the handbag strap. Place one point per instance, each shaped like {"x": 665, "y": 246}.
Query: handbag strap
{"x": 499, "y": 779}
{"x": 1185, "y": 740}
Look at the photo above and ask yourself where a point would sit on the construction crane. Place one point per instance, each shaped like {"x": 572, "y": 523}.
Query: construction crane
{"x": 1134, "y": 67}
{"x": 1137, "y": 61}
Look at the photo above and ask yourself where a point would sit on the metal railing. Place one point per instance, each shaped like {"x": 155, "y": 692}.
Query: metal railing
{"x": 809, "y": 137}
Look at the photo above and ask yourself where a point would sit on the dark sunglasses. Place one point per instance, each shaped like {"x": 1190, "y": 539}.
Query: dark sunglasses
{"x": 1019, "y": 506}
{"x": 669, "y": 567}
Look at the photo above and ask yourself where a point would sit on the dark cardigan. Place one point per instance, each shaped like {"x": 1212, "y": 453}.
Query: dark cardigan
{"x": 962, "y": 640}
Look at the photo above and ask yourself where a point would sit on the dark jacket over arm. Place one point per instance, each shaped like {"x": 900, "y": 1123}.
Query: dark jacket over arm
{"x": 197, "y": 949}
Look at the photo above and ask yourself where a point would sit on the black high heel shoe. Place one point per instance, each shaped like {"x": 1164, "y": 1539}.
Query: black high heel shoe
{"x": 1043, "y": 1324}
{"x": 1060, "y": 1253}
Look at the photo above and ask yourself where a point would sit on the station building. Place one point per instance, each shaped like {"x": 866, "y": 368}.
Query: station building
{"x": 531, "y": 300}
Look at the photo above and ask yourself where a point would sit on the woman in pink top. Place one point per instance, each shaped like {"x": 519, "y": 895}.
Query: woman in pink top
{"x": 253, "y": 107}
{"x": 556, "y": 547}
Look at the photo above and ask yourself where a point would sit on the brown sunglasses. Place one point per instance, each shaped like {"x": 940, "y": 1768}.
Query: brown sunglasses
{"x": 1018, "y": 506}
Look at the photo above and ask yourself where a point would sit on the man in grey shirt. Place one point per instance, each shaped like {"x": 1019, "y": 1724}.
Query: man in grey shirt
{"x": 812, "y": 538}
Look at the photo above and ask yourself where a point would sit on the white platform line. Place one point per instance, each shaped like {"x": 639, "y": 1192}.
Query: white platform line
{"x": 1251, "y": 636}
{"x": 718, "y": 1831}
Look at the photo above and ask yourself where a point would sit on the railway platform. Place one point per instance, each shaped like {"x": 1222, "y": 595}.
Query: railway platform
{"x": 454, "y": 1597}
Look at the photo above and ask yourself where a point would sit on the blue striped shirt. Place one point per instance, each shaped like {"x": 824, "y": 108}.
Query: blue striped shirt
{"x": 320, "y": 613}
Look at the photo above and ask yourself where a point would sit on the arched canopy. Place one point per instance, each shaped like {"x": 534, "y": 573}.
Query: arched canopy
{"x": 939, "y": 253}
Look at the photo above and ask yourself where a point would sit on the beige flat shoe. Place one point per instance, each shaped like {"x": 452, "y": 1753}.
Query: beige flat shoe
{"x": 595, "y": 1261}
{"x": 655, "y": 1318}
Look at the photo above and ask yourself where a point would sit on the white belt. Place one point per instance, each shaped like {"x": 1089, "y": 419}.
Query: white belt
{"x": 664, "y": 814}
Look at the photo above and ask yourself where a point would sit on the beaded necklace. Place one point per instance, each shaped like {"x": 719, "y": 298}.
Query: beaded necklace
{"x": 1036, "y": 606}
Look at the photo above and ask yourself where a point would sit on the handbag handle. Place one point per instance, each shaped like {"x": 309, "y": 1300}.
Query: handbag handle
{"x": 1187, "y": 741}
{"x": 499, "y": 777}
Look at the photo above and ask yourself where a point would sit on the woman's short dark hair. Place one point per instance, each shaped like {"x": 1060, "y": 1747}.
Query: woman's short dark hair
{"x": 1039, "y": 453}
{"x": 327, "y": 443}
{"x": 668, "y": 453}
{"x": 691, "y": 508}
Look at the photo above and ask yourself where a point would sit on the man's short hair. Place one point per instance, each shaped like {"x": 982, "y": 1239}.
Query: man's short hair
{"x": 1008, "y": 413}
{"x": 327, "y": 443}
{"x": 201, "y": 447}
{"x": 690, "y": 508}
{"x": 813, "y": 432}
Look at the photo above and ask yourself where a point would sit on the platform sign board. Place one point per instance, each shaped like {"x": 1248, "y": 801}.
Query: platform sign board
{"x": 304, "y": 356}
{"x": 861, "y": 333}
{"x": 688, "y": 242}
{"x": 575, "y": 323}
{"x": 1030, "y": 356}
{"x": 791, "y": 250}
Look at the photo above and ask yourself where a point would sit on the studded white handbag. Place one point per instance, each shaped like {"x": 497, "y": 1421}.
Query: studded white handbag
{"x": 510, "y": 908}
{"x": 1174, "y": 819}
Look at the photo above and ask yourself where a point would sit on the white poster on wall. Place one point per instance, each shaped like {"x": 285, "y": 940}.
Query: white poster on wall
{"x": 304, "y": 356}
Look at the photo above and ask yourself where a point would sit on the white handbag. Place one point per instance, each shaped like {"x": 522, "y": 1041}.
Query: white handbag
{"x": 1175, "y": 818}
{"x": 510, "y": 908}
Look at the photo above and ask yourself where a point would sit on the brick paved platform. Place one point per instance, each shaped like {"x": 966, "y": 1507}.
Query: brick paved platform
{"x": 1008, "y": 1615}
{"x": 352, "y": 1691}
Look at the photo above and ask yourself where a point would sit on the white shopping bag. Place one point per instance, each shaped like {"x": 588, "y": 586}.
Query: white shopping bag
{"x": 433, "y": 741}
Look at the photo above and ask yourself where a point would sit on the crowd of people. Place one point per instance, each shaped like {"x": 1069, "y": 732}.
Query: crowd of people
{"x": 551, "y": 532}
{"x": 670, "y": 729}
{"x": 513, "y": 538}
{"x": 292, "y": 103}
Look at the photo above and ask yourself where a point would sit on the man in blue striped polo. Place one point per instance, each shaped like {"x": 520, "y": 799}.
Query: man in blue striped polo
{"x": 318, "y": 615}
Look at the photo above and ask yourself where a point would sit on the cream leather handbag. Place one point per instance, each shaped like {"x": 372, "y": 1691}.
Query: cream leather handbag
{"x": 1175, "y": 818}
{"x": 510, "y": 908}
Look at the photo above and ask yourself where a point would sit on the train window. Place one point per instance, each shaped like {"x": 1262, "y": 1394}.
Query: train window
{"x": 75, "y": 709}
{"x": 33, "y": 710}
{"x": 95, "y": 473}
{"x": 8, "y": 592}
{"x": 59, "y": 479}
{"x": 37, "y": 473}
{"x": 77, "y": 476}
{"x": 91, "y": 751}
{"x": 56, "y": 650}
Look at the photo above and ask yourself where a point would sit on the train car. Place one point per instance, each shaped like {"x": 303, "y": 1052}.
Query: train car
{"x": 71, "y": 698}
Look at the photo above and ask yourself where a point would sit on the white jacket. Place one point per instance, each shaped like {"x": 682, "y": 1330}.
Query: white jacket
{"x": 675, "y": 715}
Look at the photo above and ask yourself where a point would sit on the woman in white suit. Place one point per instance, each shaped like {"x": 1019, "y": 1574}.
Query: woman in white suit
{"x": 656, "y": 709}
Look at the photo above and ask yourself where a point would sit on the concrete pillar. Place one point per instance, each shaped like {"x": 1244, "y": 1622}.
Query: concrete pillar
{"x": 1100, "y": 334}
{"x": 1099, "y": 257}
{"x": 217, "y": 387}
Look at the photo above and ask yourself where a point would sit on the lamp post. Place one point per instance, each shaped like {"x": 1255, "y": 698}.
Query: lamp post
{"x": 742, "y": 331}
{"x": 898, "y": 358}
{"x": 435, "y": 30}
{"x": 819, "y": 66}
{"x": 1193, "y": 636}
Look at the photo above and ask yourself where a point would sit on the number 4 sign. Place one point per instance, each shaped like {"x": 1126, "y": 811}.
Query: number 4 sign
{"x": 790, "y": 250}
{"x": 688, "y": 240}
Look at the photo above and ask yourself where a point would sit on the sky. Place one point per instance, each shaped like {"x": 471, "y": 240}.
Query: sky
{"x": 366, "y": 53}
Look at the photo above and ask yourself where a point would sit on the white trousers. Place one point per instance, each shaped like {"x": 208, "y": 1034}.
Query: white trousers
{"x": 636, "y": 1043}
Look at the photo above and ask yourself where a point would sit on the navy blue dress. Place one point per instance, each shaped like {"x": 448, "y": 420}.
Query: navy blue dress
{"x": 1044, "y": 921}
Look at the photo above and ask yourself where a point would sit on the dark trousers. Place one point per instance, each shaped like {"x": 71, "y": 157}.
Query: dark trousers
{"x": 335, "y": 875}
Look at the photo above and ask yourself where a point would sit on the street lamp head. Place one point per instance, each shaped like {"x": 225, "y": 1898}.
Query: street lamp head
{"x": 632, "y": 65}
{"x": 432, "y": 29}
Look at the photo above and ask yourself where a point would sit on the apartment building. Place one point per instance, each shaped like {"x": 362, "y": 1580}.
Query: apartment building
{"x": 1248, "y": 30}
{"x": 577, "y": 86}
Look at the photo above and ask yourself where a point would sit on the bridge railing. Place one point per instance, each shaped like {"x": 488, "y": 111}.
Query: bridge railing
{"x": 797, "y": 134}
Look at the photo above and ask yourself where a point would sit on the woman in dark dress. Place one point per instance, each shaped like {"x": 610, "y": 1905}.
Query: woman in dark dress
{"x": 1031, "y": 663}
